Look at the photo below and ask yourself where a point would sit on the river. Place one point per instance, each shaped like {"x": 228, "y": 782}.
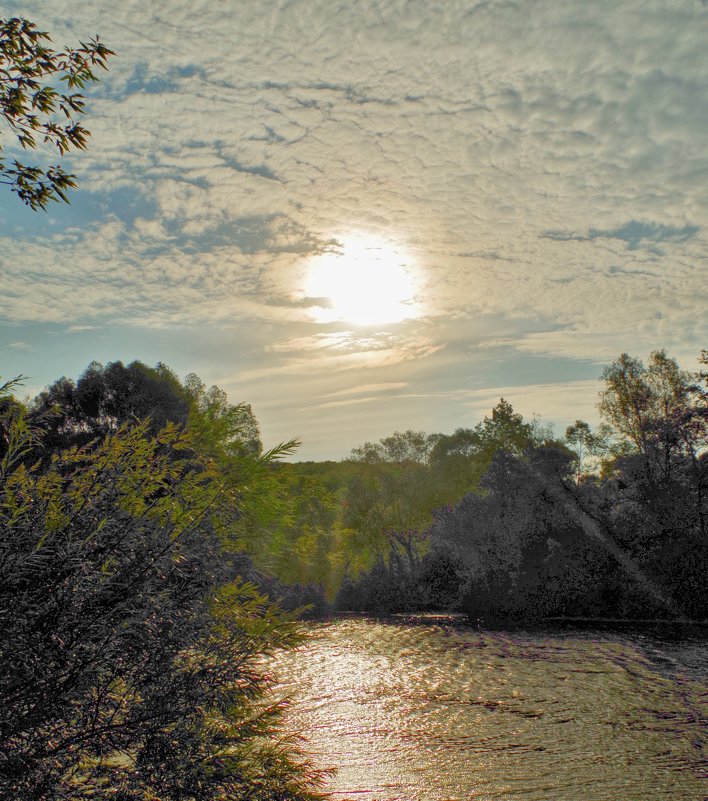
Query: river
{"x": 429, "y": 709}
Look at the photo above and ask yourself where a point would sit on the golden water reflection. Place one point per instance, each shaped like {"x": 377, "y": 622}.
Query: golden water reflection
{"x": 439, "y": 711}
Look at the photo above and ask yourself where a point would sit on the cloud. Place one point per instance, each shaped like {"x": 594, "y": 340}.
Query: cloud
{"x": 339, "y": 340}
{"x": 365, "y": 388}
{"x": 339, "y": 403}
{"x": 384, "y": 352}
{"x": 634, "y": 233}
{"x": 111, "y": 274}
{"x": 543, "y": 163}
{"x": 518, "y": 123}
{"x": 351, "y": 342}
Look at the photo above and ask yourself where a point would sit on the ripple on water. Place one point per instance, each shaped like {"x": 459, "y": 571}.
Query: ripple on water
{"x": 440, "y": 712}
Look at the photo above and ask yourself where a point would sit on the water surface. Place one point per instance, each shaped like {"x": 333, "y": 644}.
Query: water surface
{"x": 433, "y": 710}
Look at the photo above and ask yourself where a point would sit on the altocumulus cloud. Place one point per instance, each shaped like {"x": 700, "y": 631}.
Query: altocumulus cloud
{"x": 542, "y": 161}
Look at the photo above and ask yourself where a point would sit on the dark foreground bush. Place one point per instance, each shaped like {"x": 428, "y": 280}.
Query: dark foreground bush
{"x": 130, "y": 654}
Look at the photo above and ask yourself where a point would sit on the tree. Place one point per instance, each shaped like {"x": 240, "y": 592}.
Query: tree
{"x": 652, "y": 410}
{"x": 107, "y": 397}
{"x": 36, "y": 111}
{"x": 104, "y": 398}
{"x": 408, "y": 475}
{"x": 391, "y": 500}
{"x": 230, "y": 427}
{"x": 461, "y": 459}
{"x": 584, "y": 443}
{"x": 535, "y": 545}
{"x": 130, "y": 650}
{"x": 505, "y": 430}
{"x": 401, "y": 446}
{"x": 659, "y": 416}
{"x": 390, "y": 503}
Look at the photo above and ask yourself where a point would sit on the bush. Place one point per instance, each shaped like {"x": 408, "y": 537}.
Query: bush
{"x": 130, "y": 651}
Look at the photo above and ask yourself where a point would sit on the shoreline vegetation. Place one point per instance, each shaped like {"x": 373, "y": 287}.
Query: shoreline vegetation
{"x": 153, "y": 555}
{"x": 460, "y": 617}
{"x": 664, "y": 626}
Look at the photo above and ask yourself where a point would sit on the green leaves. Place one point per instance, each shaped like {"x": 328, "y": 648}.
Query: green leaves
{"x": 130, "y": 648}
{"x": 36, "y": 112}
{"x": 657, "y": 410}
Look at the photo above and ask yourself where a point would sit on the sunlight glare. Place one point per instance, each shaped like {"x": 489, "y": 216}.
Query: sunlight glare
{"x": 365, "y": 282}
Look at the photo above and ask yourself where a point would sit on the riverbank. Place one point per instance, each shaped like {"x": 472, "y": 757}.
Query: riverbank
{"x": 543, "y": 624}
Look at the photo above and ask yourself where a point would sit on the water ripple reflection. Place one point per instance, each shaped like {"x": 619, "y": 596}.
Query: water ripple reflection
{"x": 440, "y": 712}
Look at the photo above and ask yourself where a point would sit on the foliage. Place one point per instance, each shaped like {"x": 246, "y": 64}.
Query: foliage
{"x": 105, "y": 398}
{"x": 303, "y": 538}
{"x": 37, "y": 110}
{"x": 303, "y": 541}
{"x": 219, "y": 425}
{"x": 525, "y": 553}
{"x": 462, "y": 458}
{"x": 390, "y": 505}
{"x": 505, "y": 522}
{"x": 401, "y": 446}
{"x": 631, "y": 545}
{"x": 386, "y": 588}
{"x": 585, "y": 444}
{"x": 306, "y": 601}
{"x": 505, "y": 430}
{"x": 390, "y": 502}
{"x": 658, "y": 490}
{"x": 499, "y": 519}
{"x": 658, "y": 411}
{"x": 17, "y": 435}
{"x": 394, "y": 585}
{"x": 130, "y": 650}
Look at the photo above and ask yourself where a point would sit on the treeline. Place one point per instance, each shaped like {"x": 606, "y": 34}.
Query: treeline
{"x": 132, "y": 627}
{"x": 148, "y": 546}
{"x": 606, "y": 523}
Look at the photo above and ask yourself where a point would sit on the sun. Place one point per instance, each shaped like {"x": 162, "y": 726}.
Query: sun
{"x": 366, "y": 281}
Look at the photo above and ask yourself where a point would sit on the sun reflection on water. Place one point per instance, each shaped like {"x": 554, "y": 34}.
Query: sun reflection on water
{"x": 438, "y": 713}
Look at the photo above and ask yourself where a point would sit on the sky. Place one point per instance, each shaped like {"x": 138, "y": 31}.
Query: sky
{"x": 363, "y": 217}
